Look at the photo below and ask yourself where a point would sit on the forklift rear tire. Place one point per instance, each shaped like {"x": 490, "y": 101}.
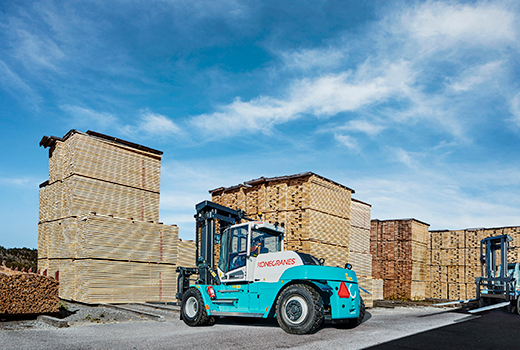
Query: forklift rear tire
{"x": 299, "y": 309}
{"x": 193, "y": 312}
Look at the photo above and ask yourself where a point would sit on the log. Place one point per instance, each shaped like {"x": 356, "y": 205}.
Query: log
{"x": 27, "y": 293}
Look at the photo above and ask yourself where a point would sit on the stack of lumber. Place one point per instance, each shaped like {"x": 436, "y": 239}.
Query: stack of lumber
{"x": 98, "y": 225}
{"x": 77, "y": 195}
{"x": 316, "y": 212}
{"x": 101, "y": 157}
{"x": 186, "y": 254}
{"x": 27, "y": 293}
{"x": 400, "y": 257}
{"x": 455, "y": 260}
{"x": 359, "y": 248}
{"x": 374, "y": 287}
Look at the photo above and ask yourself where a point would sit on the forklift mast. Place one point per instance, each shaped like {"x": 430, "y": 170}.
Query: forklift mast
{"x": 207, "y": 215}
{"x": 494, "y": 277}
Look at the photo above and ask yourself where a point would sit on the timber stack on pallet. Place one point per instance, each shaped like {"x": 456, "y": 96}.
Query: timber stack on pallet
{"x": 318, "y": 214}
{"x": 455, "y": 260}
{"x": 27, "y": 293}
{"x": 98, "y": 221}
{"x": 400, "y": 257}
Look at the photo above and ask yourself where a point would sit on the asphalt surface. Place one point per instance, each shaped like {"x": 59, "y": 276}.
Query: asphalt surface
{"x": 382, "y": 328}
{"x": 496, "y": 329}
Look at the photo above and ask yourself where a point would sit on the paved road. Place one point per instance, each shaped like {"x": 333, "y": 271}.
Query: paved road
{"x": 493, "y": 330}
{"x": 381, "y": 326}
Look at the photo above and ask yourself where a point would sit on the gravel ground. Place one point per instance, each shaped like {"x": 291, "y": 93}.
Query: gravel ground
{"x": 381, "y": 325}
{"x": 76, "y": 315}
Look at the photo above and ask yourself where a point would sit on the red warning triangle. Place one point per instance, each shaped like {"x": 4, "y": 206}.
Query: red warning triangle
{"x": 343, "y": 291}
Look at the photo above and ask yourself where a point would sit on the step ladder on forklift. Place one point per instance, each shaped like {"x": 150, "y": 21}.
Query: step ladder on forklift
{"x": 498, "y": 286}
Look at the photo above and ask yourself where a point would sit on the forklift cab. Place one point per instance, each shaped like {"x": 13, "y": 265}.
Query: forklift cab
{"x": 241, "y": 244}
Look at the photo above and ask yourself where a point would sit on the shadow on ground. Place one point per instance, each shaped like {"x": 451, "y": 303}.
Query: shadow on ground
{"x": 495, "y": 329}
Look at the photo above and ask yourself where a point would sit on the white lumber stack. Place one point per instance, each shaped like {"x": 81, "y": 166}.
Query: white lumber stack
{"x": 99, "y": 221}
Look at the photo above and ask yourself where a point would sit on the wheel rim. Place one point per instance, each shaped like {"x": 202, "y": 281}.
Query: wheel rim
{"x": 191, "y": 308}
{"x": 295, "y": 310}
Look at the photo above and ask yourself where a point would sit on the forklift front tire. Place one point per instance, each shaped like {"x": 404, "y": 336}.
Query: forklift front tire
{"x": 193, "y": 312}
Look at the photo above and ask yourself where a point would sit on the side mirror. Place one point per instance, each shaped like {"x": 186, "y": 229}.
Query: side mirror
{"x": 348, "y": 266}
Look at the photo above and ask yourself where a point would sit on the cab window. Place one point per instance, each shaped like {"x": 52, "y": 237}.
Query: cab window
{"x": 233, "y": 249}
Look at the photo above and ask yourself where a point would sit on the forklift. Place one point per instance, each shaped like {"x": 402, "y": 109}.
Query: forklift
{"x": 256, "y": 278}
{"x": 499, "y": 283}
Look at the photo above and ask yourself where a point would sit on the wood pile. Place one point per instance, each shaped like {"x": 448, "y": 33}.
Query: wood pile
{"x": 99, "y": 227}
{"x": 374, "y": 287}
{"x": 27, "y": 293}
{"x": 455, "y": 260}
{"x": 359, "y": 248}
{"x": 320, "y": 216}
{"x": 186, "y": 253}
{"x": 400, "y": 257}
{"x": 315, "y": 211}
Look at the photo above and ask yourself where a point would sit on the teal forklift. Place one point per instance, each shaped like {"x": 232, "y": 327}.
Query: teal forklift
{"x": 257, "y": 278}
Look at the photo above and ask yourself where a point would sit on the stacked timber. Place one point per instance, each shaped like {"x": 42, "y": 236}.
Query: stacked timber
{"x": 319, "y": 215}
{"x": 455, "y": 260}
{"x": 400, "y": 257}
{"x": 27, "y": 293}
{"x": 98, "y": 228}
{"x": 186, "y": 253}
{"x": 359, "y": 248}
{"x": 315, "y": 211}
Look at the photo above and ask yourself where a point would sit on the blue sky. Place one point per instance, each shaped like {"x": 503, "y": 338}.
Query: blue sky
{"x": 414, "y": 105}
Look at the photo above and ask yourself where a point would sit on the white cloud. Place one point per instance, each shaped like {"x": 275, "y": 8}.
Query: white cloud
{"x": 19, "y": 182}
{"x": 515, "y": 109}
{"x": 14, "y": 84}
{"x": 322, "y": 96}
{"x": 348, "y": 141}
{"x": 477, "y": 75}
{"x": 362, "y": 126}
{"x": 35, "y": 50}
{"x": 403, "y": 156}
{"x": 313, "y": 58}
{"x": 157, "y": 124}
{"x": 438, "y": 25}
{"x": 87, "y": 117}
{"x": 441, "y": 196}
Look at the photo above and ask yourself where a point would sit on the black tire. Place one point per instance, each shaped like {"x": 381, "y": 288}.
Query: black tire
{"x": 511, "y": 308}
{"x": 356, "y": 321}
{"x": 518, "y": 306}
{"x": 299, "y": 309}
{"x": 482, "y": 303}
{"x": 193, "y": 312}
